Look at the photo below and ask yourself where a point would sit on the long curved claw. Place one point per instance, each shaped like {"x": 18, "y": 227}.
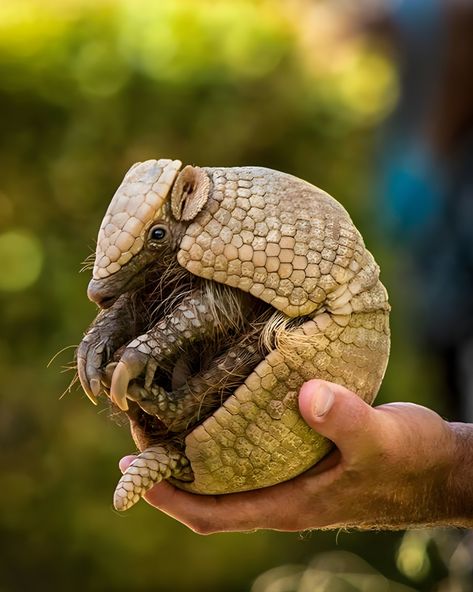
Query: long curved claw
{"x": 84, "y": 381}
{"x": 90, "y": 356}
{"x": 129, "y": 367}
{"x": 96, "y": 387}
{"x": 118, "y": 390}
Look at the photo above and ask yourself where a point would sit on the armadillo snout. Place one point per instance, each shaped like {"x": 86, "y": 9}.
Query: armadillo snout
{"x": 99, "y": 294}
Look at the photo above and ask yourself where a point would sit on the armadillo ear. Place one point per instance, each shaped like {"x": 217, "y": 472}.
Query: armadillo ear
{"x": 190, "y": 193}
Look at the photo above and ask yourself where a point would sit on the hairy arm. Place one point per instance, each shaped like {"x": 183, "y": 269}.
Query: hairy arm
{"x": 395, "y": 466}
{"x": 461, "y": 477}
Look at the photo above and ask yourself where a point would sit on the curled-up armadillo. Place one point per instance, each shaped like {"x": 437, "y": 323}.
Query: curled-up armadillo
{"x": 222, "y": 290}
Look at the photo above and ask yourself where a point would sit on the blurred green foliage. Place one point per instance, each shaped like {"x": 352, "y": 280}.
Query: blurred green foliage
{"x": 86, "y": 89}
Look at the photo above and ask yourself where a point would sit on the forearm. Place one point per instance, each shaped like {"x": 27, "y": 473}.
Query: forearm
{"x": 460, "y": 483}
{"x": 437, "y": 488}
{"x": 188, "y": 322}
{"x": 434, "y": 476}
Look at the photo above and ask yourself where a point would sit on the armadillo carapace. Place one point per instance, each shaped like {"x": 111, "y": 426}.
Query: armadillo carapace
{"x": 221, "y": 291}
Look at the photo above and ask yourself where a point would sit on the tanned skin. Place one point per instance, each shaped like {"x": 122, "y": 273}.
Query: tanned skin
{"x": 396, "y": 466}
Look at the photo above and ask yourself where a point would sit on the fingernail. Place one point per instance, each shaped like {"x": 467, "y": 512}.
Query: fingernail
{"x": 322, "y": 401}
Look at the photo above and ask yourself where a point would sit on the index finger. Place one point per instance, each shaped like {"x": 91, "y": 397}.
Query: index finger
{"x": 236, "y": 512}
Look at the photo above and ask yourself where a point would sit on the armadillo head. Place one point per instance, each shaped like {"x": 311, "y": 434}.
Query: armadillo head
{"x": 142, "y": 222}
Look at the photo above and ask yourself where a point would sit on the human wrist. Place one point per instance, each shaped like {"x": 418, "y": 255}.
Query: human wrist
{"x": 460, "y": 481}
{"x": 436, "y": 485}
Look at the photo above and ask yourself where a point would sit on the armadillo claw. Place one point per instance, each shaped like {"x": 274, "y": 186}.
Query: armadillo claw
{"x": 108, "y": 373}
{"x": 90, "y": 356}
{"x": 119, "y": 387}
{"x": 130, "y": 366}
{"x": 95, "y": 386}
{"x": 81, "y": 365}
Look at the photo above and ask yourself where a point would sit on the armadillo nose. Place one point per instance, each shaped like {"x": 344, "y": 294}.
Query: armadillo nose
{"x": 97, "y": 294}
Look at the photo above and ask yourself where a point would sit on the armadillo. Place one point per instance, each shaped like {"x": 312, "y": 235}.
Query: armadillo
{"x": 222, "y": 290}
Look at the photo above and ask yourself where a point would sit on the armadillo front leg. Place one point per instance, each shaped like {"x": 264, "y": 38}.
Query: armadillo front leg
{"x": 203, "y": 391}
{"x": 150, "y": 467}
{"x": 195, "y": 318}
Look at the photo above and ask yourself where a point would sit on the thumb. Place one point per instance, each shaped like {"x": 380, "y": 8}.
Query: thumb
{"x": 125, "y": 462}
{"x": 340, "y": 415}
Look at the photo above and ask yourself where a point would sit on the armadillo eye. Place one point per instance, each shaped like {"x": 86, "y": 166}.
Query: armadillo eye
{"x": 157, "y": 233}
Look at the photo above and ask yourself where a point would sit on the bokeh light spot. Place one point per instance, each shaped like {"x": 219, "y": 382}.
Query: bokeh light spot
{"x": 412, "y": 558}
{"x": 21, "y": 257}
{"x": 99, "y": 70}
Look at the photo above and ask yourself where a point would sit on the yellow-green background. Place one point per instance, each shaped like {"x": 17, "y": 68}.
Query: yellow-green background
{"x": 86, "y": 89}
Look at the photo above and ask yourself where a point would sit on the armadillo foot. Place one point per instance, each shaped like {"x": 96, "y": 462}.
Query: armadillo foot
{"x": 201, "y": 392}
{"x": 150, "y": 467}
{"x": 153, "y": 401}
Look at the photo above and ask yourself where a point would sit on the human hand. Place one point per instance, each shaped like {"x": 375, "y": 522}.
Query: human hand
{"x": 395, "y": 466}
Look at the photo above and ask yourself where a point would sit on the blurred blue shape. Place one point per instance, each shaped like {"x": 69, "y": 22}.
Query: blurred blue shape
{"x": 412, "y": 189}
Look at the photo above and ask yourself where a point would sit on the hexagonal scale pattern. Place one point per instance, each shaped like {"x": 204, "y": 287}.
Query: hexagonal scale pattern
{"x": 277, "y": 237}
